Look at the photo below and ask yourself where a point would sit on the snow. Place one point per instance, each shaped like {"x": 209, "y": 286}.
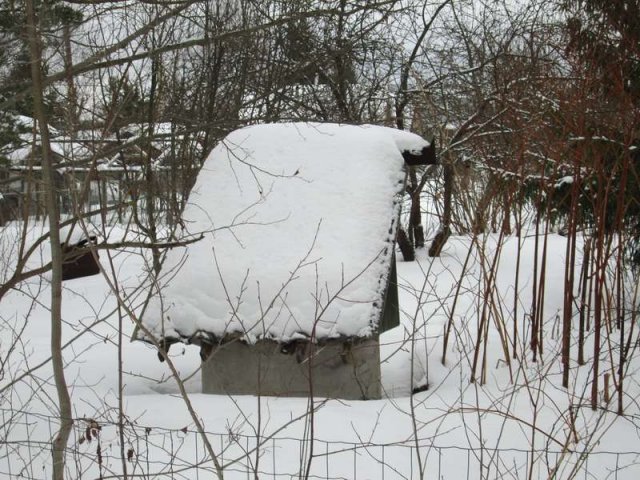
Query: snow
{"x": 75, "y": 233}
{"x": 485, "y": 430}
{"x": 299, "y": 222}
{"x": 64, "y": 147}
{"x": 19, "y": 155}
{"x": 28, "y": 123}
{"x": 78, "y": 154}
{"x": 566, "y": 180}
{"x": 406, "y": 141}
{"x": 60, "y": 145}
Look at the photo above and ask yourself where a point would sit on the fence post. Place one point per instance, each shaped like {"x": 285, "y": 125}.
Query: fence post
{"x": 411, "y": 461}
{"x": 383, "y": 462}
{"x": 273, "y": 456}
{"x": 248, "y": 462}
{"x": 354, "y": 462}
{"x": 197, "y": 464}
{"x": 221, "y": 452}
{"x": 326, "y": 449}
{"x": 147, "y": 432}
{"x": 586, "y": 466}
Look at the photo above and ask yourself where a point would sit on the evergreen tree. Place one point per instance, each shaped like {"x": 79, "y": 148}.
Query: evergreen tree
{"x": 15, "y": 69}
{"x": 604, "y": 41}
{"x": 605, "y": 34}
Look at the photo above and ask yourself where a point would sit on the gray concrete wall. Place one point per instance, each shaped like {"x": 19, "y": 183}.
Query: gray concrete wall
{"x": 336, "y": 369}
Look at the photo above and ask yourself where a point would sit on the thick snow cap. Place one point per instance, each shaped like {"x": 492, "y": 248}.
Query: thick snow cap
{"x": 299, "y": 222}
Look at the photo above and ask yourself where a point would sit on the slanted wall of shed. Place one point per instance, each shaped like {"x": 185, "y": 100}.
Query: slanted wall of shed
{"x": 390, "y": 317}
{"x": 347, "y": 369}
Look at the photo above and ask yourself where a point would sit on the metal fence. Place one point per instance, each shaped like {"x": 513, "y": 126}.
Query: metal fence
{"x": 153, "y": 452}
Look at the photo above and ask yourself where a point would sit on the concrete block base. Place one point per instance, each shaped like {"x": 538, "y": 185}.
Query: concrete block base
{"x": 335, "y": 369}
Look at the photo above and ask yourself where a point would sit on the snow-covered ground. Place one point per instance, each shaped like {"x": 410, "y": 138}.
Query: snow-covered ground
{"x": 516, "y": 425}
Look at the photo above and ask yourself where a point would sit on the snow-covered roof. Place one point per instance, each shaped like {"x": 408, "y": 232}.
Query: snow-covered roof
{"x": 299, "y": 223}
{"x": 86, "y": 142}
{"x": 62, "y": 146}
{"x": 28, "y": 123}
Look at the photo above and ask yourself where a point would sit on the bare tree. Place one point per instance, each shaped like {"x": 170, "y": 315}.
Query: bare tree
{"x": 64, "y": 402}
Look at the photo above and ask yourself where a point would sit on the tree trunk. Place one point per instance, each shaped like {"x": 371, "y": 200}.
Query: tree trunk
{"x": 406, "y": 247}
{"x": 72, "y": 95}
{"x": 445, "y": 228}
{"x": 64, "y": 401}
{"x": 569, "y": 277}
{"x": 415, "y": 215}
{"x": 584, "y": 286}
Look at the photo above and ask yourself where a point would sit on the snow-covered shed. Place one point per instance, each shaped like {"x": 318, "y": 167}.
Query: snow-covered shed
{"x": 294, "y": 279}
